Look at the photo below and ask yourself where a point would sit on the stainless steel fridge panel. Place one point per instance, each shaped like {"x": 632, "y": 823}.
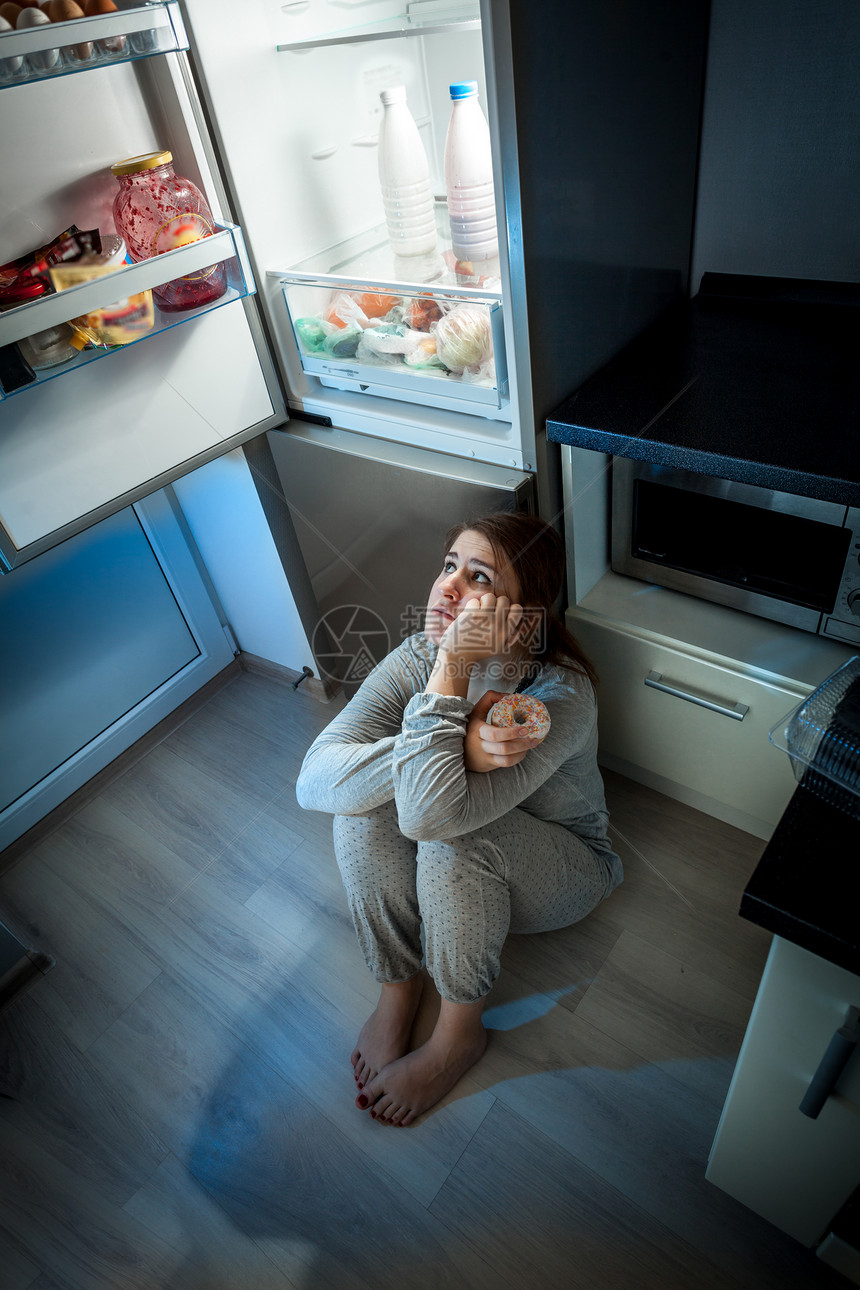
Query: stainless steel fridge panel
{"x": 370, "y": 517}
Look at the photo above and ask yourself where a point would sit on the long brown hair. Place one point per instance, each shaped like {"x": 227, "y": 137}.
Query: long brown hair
{"x": 534, "y": 552}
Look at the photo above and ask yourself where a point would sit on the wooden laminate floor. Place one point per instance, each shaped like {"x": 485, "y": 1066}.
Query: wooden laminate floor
{"x": 178, "y": 1102}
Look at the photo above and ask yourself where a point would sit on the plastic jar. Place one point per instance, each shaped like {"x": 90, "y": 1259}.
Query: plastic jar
{"x": 157, "y": 210}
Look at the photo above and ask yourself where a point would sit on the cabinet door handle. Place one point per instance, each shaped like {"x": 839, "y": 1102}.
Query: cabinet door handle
{"x": 736, "y": 711}
{"x": 832, "y": 1065}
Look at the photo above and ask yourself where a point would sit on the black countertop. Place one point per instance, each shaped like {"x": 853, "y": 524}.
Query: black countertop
{"x": 754, "y": 379}
{"x": 804, "y": 887}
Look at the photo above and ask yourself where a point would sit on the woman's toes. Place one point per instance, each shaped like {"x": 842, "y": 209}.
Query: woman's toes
{"x": 369, "y": 1095}
{"x": 363, "y": 1073}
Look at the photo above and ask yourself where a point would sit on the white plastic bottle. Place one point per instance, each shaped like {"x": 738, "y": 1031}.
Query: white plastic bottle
{"x": 469, "y": 180}
{"x": 404, "y": 178}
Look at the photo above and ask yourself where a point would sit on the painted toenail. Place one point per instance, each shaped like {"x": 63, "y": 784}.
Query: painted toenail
{"x": 362, "y": 1102}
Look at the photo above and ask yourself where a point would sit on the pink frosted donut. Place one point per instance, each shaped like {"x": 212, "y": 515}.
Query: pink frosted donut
{"x": 530, "y": 715}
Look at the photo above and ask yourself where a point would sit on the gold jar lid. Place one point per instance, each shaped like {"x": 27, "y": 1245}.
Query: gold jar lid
{"x": 146, "y": 161}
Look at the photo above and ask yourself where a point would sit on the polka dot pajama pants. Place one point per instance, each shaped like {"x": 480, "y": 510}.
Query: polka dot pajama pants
{"x": 517, "y": 874}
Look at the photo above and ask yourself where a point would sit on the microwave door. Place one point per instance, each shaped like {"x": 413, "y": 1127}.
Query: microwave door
{"x": 749, "y": 548}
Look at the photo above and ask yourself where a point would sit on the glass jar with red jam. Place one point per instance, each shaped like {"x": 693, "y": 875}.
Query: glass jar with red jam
{"x": 157, "y": 210}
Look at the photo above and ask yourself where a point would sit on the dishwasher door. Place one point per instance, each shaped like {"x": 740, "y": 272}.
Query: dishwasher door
{"x": 794, "y": 1169}
{"x": 370, "y": 517}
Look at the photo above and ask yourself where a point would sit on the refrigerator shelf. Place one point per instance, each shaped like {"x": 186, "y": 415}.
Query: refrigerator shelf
{"x": 368, "y": 258}
{"x": 421, "y": 18}
{"x": 226, "y": 246}
{"x": 64, "y": 48}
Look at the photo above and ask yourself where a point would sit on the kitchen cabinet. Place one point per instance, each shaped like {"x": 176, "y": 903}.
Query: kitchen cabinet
{"x": 794, "y": 1170}
{"x": 696, "y": 722}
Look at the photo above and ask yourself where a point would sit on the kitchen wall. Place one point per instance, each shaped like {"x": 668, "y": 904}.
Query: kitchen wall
{"x": 779, "y": 184}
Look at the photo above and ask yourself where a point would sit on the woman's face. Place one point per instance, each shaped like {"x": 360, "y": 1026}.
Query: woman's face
{"x": 469, "y": 569}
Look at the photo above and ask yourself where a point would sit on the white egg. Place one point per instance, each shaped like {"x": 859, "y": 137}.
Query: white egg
{"x": 31, "y": 18}
{"x": 9, "y": 66}
{"x": 46, "y": 58}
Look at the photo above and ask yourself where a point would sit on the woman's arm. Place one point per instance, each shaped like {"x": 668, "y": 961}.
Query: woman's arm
{"x": 438, "y": 798}
{"x": 347, "y": 769}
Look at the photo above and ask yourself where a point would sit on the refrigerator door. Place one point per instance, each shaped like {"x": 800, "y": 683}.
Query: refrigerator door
{"x": 83, "y": 439}
{"x": 370, "y": 519}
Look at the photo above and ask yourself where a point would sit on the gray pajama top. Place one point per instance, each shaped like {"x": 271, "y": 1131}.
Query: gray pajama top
{"x": 395, "y": 742}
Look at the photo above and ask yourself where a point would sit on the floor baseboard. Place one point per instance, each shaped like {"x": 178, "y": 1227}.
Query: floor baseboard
{"x": 324, "y": 691}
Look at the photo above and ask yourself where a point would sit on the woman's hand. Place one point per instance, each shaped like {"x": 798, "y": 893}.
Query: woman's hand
{"x": 483, "y": 628}
{"x": 489, "y": 747}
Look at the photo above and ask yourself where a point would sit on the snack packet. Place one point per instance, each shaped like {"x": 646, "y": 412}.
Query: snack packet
{"x": 117, "y": 324}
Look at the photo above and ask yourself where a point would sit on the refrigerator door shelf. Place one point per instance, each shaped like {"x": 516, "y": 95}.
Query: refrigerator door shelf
{"x": 61, "y": 49}
{"x": 226, "y": 245}
{"x": 420, "y": 18}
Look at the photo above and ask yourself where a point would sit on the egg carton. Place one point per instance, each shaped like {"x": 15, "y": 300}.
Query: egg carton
{"x": 822, "y": 738}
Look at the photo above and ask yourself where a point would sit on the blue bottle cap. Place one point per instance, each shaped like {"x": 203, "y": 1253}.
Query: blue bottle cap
{"x": 463, "y": 89}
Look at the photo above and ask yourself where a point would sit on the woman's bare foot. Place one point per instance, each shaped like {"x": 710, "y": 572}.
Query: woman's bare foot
{"x": 385, "y": 1035}
{"x": 413, "y": 1083}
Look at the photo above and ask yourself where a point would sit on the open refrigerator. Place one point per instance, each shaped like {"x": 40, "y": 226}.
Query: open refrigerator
{"x": 273, "y": 110}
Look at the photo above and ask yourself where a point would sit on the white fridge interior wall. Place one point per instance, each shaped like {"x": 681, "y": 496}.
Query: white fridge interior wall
{"x": 302, "y": 149}
{"x": 224, "y": 514}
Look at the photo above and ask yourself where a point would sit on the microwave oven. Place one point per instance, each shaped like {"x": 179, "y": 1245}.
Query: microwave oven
{"x": 792, "y": 559}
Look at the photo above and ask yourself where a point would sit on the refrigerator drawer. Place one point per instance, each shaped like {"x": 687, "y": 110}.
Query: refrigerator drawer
{"x": 443, "y": 341}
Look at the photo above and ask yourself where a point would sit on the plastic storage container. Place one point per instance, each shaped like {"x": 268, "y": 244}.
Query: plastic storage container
{"x": 822, "y": 738}
{"x": 404, "y": 178}
{"x": 469, "y": 182}
{"x": 401, "y": 337}
{"x": 157, "y": 210}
